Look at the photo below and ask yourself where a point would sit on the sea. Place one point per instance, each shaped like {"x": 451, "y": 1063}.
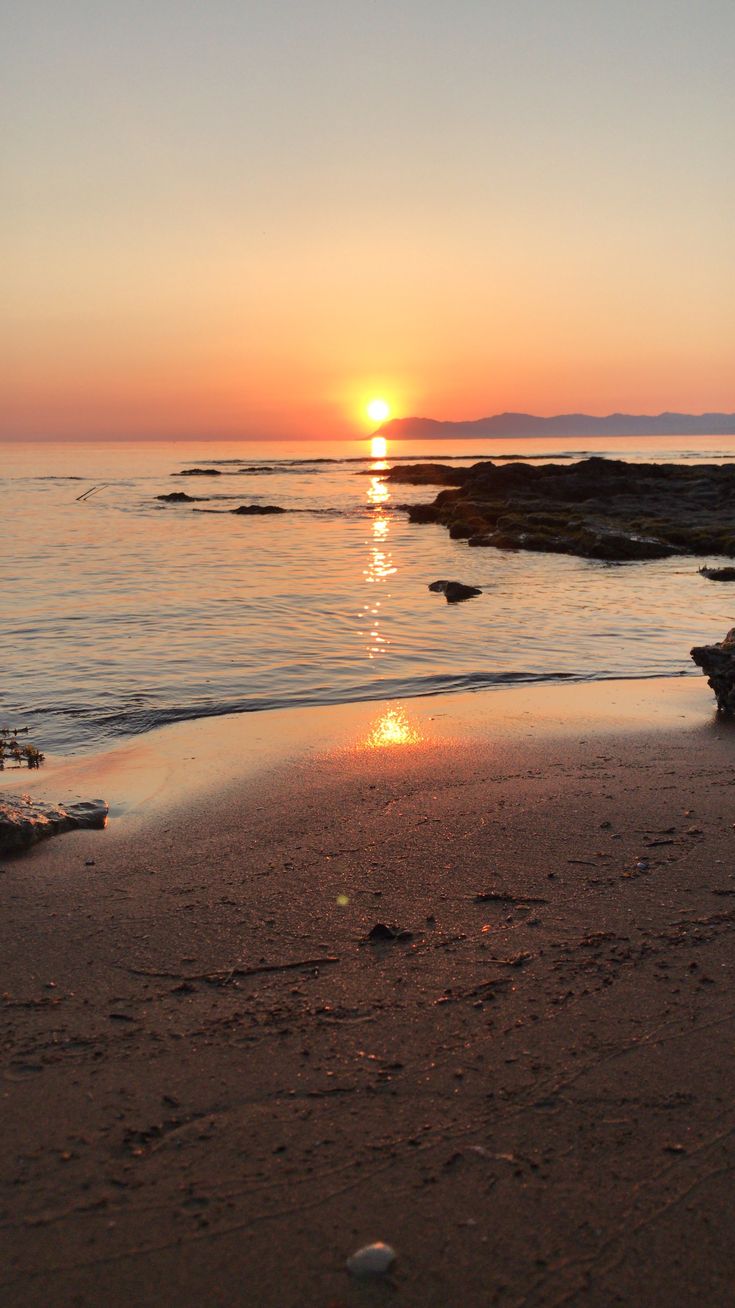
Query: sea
{"x": 122, "y": 612}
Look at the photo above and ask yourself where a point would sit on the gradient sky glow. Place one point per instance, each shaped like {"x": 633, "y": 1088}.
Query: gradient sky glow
{"x": 248, "y": 217}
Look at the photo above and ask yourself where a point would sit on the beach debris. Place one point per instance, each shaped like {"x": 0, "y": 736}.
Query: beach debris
{"x": 455, "y": 591}
{"x": 12, "y": 750}
{"x": 718, "y": 665}
{"x": 498, "y": 897}
{"x": 257, "y": 508}
{"x": 23, "y": 821}
{"x": 718, "y": 574}
{"x": 91, "y": 491}
{"x": 181, "y": 497}
{"x": 381, "y": 931}
{"x": 372, "y": 1260}
{"x": 222, "y": 977}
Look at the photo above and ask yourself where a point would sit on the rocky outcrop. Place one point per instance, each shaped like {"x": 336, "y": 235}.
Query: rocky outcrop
{"x": 426, "y": 474}
{"x": 455, "y": 591}
{"x": 181, "y": 497}
{"x": 718, "y": 665}
{"x": 597, "y": 508}
{"x": 23, "y": 821}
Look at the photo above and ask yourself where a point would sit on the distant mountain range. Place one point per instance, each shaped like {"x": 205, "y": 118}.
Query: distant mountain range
{"x": 565, "y": 424}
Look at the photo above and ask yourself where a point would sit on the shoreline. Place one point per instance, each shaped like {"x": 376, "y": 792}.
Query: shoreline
{"x": 217, "y": 1086}
{"x": 147, "y": 773}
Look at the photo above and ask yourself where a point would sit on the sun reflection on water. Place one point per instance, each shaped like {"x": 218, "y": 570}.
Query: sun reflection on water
{"x": 378, "y": 492}
{"x": 393, "y": 728}
{"x": 380, "y": 567}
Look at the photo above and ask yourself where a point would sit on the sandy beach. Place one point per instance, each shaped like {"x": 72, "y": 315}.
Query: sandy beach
{"x": 216, "y": 1086}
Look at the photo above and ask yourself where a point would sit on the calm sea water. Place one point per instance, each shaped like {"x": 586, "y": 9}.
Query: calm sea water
{"x": 120, "y": 612}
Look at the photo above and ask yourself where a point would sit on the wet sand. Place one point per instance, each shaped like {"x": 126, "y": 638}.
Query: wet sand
{"x": 215, "y": 1089}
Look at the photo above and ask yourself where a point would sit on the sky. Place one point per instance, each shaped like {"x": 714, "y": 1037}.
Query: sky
{"x": 249, "y": 217}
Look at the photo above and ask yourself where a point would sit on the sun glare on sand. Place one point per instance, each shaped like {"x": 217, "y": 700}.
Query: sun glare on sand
{"x": 393, "y": 728}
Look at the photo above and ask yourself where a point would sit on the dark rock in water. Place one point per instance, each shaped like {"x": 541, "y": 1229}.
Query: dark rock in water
{"x": 597, "y": 508}
{"x": 257, "y": 508}
{"x": 422, "y": 513}
{"x": 181, "y": 497}
{"x": 198, "y": 472}
{"x": 718, "y": 574}
{"x": 718, "y": 665}
{"x": 23, "y": 821}
{"x": 455, "y": 591}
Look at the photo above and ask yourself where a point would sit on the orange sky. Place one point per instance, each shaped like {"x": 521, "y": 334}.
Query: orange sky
{"x": 230, "y": 221}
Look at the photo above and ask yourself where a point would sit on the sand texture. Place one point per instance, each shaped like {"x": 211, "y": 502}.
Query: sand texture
{"x": 216, "y": 1089}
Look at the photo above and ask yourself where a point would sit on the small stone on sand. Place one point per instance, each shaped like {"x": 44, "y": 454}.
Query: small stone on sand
{"x": 372, "y": 1260}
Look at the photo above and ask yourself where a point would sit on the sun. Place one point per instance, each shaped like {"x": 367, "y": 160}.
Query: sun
{"x": 378, "y": 410}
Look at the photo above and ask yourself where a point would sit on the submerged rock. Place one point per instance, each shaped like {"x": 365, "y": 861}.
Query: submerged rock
{"x": 372, "y": 1260}
{"x": 597, "y": 508}
{"x": 181, "y": 497}
{"x": 455, "y": 591}
{"x": 23, "y": 821}
{"x": 198, "y": 472}
{"x": 257, "y": 508}
{"x": 718, "y": 574}
{"x": 718, "y": 665}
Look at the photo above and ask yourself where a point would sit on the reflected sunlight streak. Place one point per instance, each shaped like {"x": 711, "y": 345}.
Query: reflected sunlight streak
{"x": 378, "y": 492}
{"x": 380, "y": 564}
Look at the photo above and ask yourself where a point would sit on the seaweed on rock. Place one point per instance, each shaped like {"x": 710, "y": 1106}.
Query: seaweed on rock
{"x": 16, "y": 752}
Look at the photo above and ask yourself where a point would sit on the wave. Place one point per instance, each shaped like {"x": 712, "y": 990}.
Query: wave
{"x": 241, "y": 466}
{"x": 136, "y": 719}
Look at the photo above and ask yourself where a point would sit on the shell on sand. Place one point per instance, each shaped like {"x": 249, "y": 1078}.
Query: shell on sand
{"x": 372, "y": 1260}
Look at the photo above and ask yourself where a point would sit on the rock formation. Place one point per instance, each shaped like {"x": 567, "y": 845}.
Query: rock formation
{"x": 597, "y": 508}
{"x": 23, "y": 821}
{"x": 718, "y": 665}
{"x": 455, "y": 591}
